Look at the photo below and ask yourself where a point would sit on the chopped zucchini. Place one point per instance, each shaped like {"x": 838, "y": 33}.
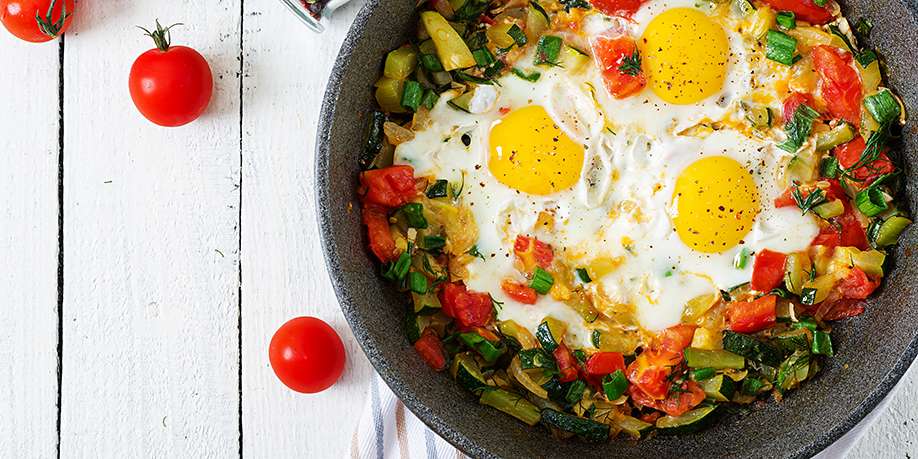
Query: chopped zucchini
{"x": 796, "y": 272}
{"x": 793, "y": 340}
{"x": 537, "y": 21}
{"x": 802, "y": 168}
{"x": 500, "y": 36}
{"x": 702, "y": 358}
{"x": 572, "y": 59}
{"x": 425, "y": 304}
{"x": 389, "y": 95}
{"x": 585, "y": 429}
{"x": 687, "y": 423}
{"x": 822, "y": 344}
{"x": 696, "y": 307}
{"x": 513, "y": 404}
{"x": 793, "y": 370}
{"x": 634, "y": 427}
{"x": 719, "y": 388}
{"x": 759, "y": 116}
{"x": 841, "y": 134}
{"x": 451, "y": 49}
{"x": 818, "y": 289}
{"x": 462, "y": 102}
{"x": 522, "y": 336}
{"x": 830, "y": 209}
{"x": 486, "y": 349}
{"x": 758, "y": 21}
{"x": 706, "y": 338}
{"x": 400, "y": 63}
{"x": 889, "y": 231}
{"x": 751, "y": 348}
{"x": 550, "y": 333}
{"x": 466, "y": 372}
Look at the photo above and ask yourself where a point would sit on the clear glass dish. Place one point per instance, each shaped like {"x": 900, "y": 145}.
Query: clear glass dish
{"x": 306, "y": 16}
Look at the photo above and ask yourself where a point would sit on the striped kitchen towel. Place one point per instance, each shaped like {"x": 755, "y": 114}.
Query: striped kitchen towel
{"x": 388, "y": 430}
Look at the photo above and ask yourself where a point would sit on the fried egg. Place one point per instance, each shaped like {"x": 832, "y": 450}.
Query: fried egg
{"x": 633, "y": 183}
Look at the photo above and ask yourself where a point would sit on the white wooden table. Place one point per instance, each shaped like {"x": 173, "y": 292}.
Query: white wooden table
{"x": 145, "y": 269}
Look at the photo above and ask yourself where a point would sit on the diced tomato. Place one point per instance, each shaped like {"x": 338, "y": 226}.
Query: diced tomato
{"x": 651, "y": 417}
{"x": 752, "y": 316}
{"x": 610, "y": 55}
{"x": 786, "y": 199}
{"x": 767, "y": 270}
{"x": 624, "y": 8}
{"x": 389, "y": 187}
{"x": 849, "y": 154}
{"x": 794, "y": 101}
{"x": 856, "y": 285}
{"x": 533, "y": 252}
{"x": 805, "y": 10}
{"x": 839, "y": 83}
{"x": 676, "y": 403}
{"x": 844, "y": 308}
{"x": 381, "y": 242}
{"x": 603, "y": 363}
{"x": 844, "y": 231}
{"x": 430, "y": 348}
{"x": 650, "y": 370}
{"x": 519, "y": 292}
{"x": 567, "y": 366}
{"x": 676, "y": 338}
{"x": 470, "y": 309}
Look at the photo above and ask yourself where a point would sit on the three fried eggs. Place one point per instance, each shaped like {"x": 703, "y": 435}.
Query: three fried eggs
{"x": 626, "y": 180}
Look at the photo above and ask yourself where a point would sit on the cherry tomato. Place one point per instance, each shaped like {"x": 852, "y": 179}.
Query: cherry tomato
{"x": 382, "y": 244}
{"x": 430, "y": 348}
{"x": 307, "y": 355}
{"x": 839, "y": 83}
{"x": 676, "y": 338}
{"x": 849, "y": 154}
{"x": 170, "y": 85}
{"x": 623, "y": 8}
{"x": 676, "y": 403}
{"x": 519, "y": 292}
{"x": 620, "y": 64}
{"x": 844, "y": 308}
{"x": 856, "y": 285}
{"x": 567, "y": 365}
{"x": 767, "y": 270}
{"x": 389, "y": 187}
{"x": 603, "y": 363}
{"x": 805, "y": 10}
{"x": 533, "y": 252}
{"x": 30, "y": 21}
{"x": 752, "y": 316}
{"x": 470, "y": 309}
{"x": 650, "y": 371}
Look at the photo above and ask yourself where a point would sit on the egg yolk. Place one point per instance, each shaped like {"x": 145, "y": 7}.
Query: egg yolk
{"x": 530, "y": 153}
{"x": 717, "y": 202}
{"x": 685, "y": 55}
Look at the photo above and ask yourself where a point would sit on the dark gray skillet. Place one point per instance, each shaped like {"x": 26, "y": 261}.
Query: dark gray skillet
{"x": 874, "y": 350}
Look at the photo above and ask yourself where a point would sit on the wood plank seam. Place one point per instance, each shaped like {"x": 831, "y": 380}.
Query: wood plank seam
{"x": 239, "y": 232}
{"x": 60, "y": 240}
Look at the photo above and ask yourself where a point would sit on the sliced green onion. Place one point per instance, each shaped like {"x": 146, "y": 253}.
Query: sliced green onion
{"x": 546, "y": 339}
{"x": 596, "y": 338}
{"x": 483, "y": 347}
{"x": 398, "y": 269}
{"x": 829, "y": 167}
{"x": 434, "y": 242}
{"x": 548, "y": 50}
{"x": 786, "y": 19}
{"x": 439, "y": 189}
{"x": 820, "y": 2}
{"x": 537, "y": 358}
{"x": 583, "y": 275}
{"x": 431, "y": 62}
{"x": 888, "y": 232}
{"x": 533, "y": 76}
{"x": 417, "y": 282}
{"x": 541, "y": 281}
{"x": 822, "y": 343}
{"x": 614, "y": 385}
{"x": 414, "y": 214}
{"x": 412, "y": 95}
{"x": 806, "y": 322}
{"x": 751, "y": 386}
{"x": 871, "y": 201}
{"x": 883, "y": 106}
{"x": 808, "y": 296}
{"x": 575, "y": 391}
{"x": 780, "y": 47}
{"x": 798, "y": 128}
{"x": 700, "y": 374}
{"x": 483, "y": 57}
{"x": 741, "y": 258}
{"x": 430, "y": 99}
{"x": 516, "y": 33}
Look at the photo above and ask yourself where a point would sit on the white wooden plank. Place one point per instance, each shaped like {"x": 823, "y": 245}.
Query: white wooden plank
{"x": 28, "y": 247}
{"x": 895, "y": 431}
{"x": 151, "y": 244}
{"x": 283, "y": 271}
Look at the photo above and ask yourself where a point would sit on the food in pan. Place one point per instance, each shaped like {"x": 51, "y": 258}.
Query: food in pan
{"x": 616, "y": 218}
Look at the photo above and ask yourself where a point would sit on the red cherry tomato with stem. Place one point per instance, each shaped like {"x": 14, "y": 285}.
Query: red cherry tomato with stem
{"x": 36, "y": 21}
{"x": 170, "y": 85}
{"x": 307, "y": 355}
